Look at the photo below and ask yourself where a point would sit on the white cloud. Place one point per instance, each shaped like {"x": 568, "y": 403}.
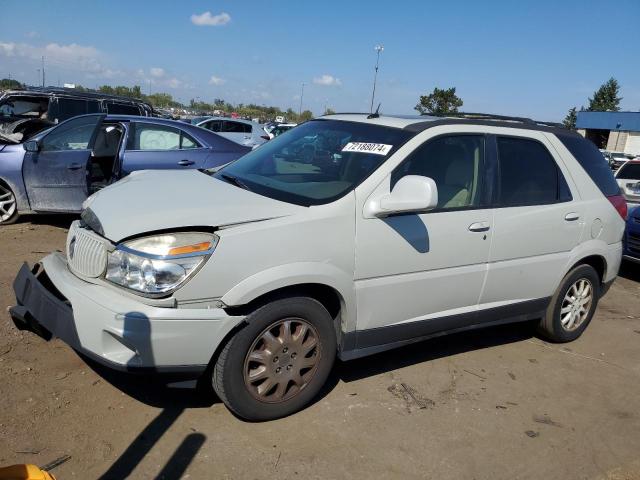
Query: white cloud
{"x": 327, "y": 80}
{"x": 216, "y": 80}
{"x": 209, "y": 20}
{"x": 174, "y": 83}
{"x": 157, "y": 72}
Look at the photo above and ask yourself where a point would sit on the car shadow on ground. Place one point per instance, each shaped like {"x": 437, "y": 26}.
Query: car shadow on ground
{"x": 60, "y": 220}
{"x": 153, "y": 390}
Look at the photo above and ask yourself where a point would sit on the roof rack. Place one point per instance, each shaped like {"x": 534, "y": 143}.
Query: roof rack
{"x": 501, "y": 118}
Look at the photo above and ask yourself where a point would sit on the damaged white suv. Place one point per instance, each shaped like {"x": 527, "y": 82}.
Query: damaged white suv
{"x": 345, "y": 236}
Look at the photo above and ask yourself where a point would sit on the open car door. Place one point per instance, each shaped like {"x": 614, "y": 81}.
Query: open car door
{"x": 55, "y": 167}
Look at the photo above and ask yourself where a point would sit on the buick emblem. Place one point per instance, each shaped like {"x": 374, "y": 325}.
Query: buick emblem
{"x": 72, "y": 247}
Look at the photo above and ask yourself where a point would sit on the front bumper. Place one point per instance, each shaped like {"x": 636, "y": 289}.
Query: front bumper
{"x": 115, "y": 329}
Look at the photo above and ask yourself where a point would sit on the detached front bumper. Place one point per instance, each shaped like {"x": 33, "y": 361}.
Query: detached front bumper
{"x": 113, "y": 328}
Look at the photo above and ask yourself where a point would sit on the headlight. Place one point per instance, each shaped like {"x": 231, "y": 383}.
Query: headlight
{"x": 159, "y": 264}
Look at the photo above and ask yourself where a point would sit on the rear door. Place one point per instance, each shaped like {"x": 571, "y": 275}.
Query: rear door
{"x": 153, "y": 146}
{"x": 538, "y": 221}
{"x": 55, "y": 177}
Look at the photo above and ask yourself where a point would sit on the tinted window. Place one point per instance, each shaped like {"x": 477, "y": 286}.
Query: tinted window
{"x": 93, "y": 106}
{"x": 73, "y": 135}
{"x": 316, "y": 162}
{"x": 236, "y": 127}
{"x": 629, "y": 171}
{"x": 455, "y": 163}
{"x": 122, "y": 109}
{"x": 153, "y": 137}
{"x": 69, "y": 107}
{"x": 592, "y": 161}
{"x": 528, "y": 174}
{"x": 213, "y": 125}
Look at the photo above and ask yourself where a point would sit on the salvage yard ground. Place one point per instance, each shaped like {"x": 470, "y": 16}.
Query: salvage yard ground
{"x": 497, "y": 403}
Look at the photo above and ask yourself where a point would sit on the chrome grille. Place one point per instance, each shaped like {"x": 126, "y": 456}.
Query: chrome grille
{"x": 86, "y": 251}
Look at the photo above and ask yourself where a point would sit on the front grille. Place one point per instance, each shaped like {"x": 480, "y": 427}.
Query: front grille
{"x": 86, "y": 251}
{"x": 633, "y": 242}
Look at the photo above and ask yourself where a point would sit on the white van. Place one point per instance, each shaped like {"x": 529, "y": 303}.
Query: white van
{"x": 347, "y": 236}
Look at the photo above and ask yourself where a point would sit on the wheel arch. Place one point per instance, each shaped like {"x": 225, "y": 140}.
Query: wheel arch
{"x": 598, "y": 262}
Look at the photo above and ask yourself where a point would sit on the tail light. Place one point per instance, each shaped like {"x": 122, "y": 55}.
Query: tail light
{"x": 620, "y": 204}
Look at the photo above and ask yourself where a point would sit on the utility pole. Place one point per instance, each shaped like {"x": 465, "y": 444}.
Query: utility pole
{"x": 43, "y": 71}
{"x": 378, "y": 49}
{"x": 38, "y": 82}
{"x": 301, "y": 96}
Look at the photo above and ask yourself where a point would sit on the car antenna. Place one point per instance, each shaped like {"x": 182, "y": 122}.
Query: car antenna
{"x": 375, "y": 114}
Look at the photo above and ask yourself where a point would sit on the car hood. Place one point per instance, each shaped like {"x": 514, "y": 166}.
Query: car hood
{"x": 152, "y": 200}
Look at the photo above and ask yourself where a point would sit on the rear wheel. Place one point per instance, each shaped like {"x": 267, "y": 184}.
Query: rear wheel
{"x": 572, "y": 306}
{"x": 275, "y": 365}
{"x": 8, "y": 206}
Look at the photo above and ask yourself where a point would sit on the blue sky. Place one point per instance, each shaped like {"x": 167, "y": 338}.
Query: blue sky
{"x": 531, "y": 58}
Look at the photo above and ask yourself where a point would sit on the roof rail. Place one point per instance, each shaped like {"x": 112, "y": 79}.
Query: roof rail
{"x": 502, "y": 118}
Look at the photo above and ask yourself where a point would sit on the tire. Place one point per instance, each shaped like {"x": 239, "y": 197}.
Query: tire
{"x": 288, "y": 346}
{"x": 562, "y": 324}
{"x": 8, "y": 206}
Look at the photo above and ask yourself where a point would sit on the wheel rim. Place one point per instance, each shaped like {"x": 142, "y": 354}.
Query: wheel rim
{"x": 282, "y": 360}
{"x": 576, "y": 304}
{"x": 7, "y": 204}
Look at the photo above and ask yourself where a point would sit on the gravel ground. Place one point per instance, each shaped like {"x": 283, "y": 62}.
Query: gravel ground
{"x": 492, "y": 404}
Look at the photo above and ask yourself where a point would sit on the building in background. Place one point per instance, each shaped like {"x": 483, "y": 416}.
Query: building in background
{"x": 612, "y": 131}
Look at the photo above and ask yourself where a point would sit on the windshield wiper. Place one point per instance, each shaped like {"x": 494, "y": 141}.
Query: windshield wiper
{"x": 235, "y": 181}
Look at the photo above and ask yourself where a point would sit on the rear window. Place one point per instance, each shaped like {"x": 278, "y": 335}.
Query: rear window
{"x": 122, "y": 109}
{"x": 593, "y": 162}
{"x": 629, "y": 171}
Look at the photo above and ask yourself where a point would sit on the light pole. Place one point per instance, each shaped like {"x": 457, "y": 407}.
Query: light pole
{"x": 379, "y": 49}
{"x": 301, "y": 96}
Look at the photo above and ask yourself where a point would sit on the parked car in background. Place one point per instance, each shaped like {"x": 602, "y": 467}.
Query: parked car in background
{"x": 244, "y": 132}
{"x": 276, "y": 130}
{"x": 628, "y": 177}
{"x": 57, "y": 169}
{"x": 24, "y": 113}
{"x": 197, "y": 120}
{"x": 347, "y": 236}
{"x": 617, "y": 159}
{"x": 632, "y": 236}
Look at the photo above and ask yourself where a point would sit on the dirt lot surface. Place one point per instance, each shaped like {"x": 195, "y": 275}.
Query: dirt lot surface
{"x": 492, "y": 404}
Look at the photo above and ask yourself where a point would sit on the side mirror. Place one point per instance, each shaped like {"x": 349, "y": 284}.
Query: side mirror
{"x": 31, "y": 146}
{"x": 412, "y": 193}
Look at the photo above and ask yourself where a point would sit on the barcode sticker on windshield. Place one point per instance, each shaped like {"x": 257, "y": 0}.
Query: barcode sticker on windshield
{"x": 360, "y": 147}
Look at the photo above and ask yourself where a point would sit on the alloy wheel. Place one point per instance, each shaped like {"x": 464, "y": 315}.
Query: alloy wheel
{"x": 282, "y": 360}
{"x": 7, "y": 204}
{"x": 576, "y": 304}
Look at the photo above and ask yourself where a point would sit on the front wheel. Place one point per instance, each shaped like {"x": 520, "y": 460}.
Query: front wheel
{"x": 278, "y": 362}
{"x": 572, "y": 306}
{"x": 8, "y": 206}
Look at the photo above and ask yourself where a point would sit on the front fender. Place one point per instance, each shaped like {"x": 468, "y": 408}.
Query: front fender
{"x": 296, "y": 274}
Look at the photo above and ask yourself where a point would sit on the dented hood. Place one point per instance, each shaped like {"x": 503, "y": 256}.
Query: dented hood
{"x": 153, "y": 200}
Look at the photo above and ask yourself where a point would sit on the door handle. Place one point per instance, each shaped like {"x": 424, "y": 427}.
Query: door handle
{"x": 185, "y": 163}
{"x": 571, "y": 217}
{"x": 74, "y": 166}
{"x": 479, "y": 227}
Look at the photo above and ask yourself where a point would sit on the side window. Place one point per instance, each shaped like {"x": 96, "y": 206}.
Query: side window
{"x": 74, "y": 135}
{"x": 153, "y": 137}
{"x": 187, "y": 141}
{"x": 528, "y": 174}
{"x": 213, "y": 125}
{"x": 455, "y": 163}
{"x": 236, "y": 127}
{"x": 122, "y": 109}
{"x": 70, "y": 107}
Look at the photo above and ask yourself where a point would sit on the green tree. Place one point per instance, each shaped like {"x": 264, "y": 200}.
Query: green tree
{"x": 606, "y": 97}
{"x": 570, "y": 120}
{"x": 329, "y": 111}
{"x": 10, "y": 84}
{"x": 305, "y": 115}
{"x": 439, "y": 102}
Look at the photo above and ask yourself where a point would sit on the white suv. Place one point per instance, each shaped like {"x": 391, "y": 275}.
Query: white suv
{"x": 350, "y": 235}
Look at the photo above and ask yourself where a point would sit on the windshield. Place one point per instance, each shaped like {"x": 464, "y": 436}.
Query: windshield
{"x": 629, "y": 171}
{"x": 316, "y": 162}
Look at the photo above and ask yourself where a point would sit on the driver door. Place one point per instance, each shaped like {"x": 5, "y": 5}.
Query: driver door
{"x": 55, "y": 176}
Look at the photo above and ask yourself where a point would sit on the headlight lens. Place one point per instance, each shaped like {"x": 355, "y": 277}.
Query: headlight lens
{"x": 159, "y": 264}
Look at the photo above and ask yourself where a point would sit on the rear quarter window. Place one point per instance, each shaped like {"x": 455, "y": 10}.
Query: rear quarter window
{"x": 122, "y": 109}
{"x": 586, "y": 153}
